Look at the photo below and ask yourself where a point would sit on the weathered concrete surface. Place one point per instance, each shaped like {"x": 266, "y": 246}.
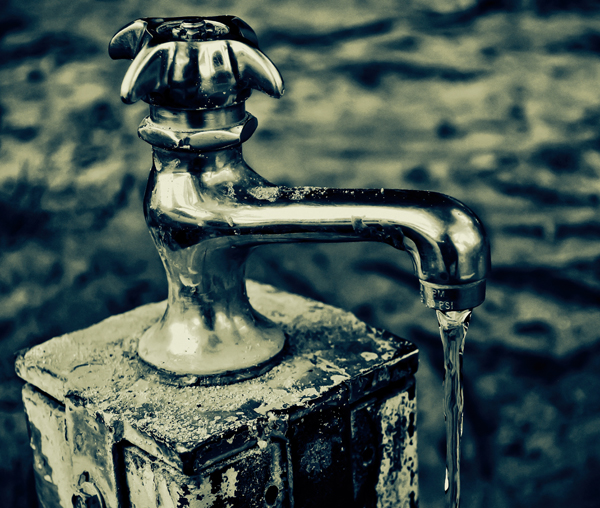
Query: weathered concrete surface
{"x": 332, "y": 362}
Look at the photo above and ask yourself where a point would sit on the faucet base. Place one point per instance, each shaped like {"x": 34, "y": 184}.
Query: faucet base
{"x": 218, "y": 379}
{"x": 238, "y": 346}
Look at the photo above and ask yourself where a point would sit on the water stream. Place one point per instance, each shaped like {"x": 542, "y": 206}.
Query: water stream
{"x": 453, "y": 329}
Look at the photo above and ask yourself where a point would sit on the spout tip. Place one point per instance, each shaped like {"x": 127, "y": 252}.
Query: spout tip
{"x": 455, "y": 297}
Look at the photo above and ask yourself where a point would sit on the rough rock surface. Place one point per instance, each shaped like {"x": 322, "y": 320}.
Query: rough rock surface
{"x": 493, "y": 102}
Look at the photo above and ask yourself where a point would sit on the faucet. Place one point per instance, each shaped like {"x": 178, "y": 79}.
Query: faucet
{"x": 207, "y": 209}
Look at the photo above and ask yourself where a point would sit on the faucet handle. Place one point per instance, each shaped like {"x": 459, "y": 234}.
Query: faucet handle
{"x": 193, "y": 62}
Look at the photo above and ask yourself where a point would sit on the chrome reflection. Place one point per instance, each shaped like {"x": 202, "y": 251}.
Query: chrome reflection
{"x": 207, "y": 209}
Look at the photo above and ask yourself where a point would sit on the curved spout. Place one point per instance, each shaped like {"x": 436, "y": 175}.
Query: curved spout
{"x": 207, "y": 211}
{"x": 445, "y": 239}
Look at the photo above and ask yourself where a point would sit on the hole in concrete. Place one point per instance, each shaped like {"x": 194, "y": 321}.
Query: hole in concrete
{"x": 271, "y": 495}
{"x": 367, "y": 455}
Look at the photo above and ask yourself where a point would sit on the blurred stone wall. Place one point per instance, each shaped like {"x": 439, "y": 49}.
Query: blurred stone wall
{"x": 493, "y": 102}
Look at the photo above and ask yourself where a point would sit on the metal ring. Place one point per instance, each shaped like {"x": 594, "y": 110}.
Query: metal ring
{"x": 455, "y": 297}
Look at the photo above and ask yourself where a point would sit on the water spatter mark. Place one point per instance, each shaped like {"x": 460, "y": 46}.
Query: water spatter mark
{"x": 230, "y": 190}
{"x": 299, "y": 193}
{"x": 265, "y": 193}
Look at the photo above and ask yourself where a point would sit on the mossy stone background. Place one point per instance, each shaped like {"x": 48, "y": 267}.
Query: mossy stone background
{"x": 495, "y": 102}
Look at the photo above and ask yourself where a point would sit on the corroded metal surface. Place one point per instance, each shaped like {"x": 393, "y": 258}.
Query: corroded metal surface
{"x": 297, "y": 427}
{"x": 398, "y": 467}
{"x": 256, "y": 477}
{"x": 51, "y": 453}
{"x": 94, "y": 463}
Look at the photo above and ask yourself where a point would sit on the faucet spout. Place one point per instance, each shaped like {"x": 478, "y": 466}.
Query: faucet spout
{"x": 445, "y": 239}
{"x": 207, "y": 211}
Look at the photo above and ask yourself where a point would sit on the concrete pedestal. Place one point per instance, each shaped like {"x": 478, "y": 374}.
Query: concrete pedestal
{"x": 333, "y": 424}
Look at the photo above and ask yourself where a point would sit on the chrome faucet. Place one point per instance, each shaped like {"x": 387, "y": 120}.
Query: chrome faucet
{"x": 207, "y": 209}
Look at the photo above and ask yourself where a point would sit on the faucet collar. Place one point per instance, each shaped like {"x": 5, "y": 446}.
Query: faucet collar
{"x": 195, "y": 119}
{"x": 197, "y": 130}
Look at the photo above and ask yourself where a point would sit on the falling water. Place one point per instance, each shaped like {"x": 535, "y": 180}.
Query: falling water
{"x": 453, "y": 329}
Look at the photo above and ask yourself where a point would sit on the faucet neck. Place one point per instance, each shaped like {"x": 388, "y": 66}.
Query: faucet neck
{"x": 203, "y": 163}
